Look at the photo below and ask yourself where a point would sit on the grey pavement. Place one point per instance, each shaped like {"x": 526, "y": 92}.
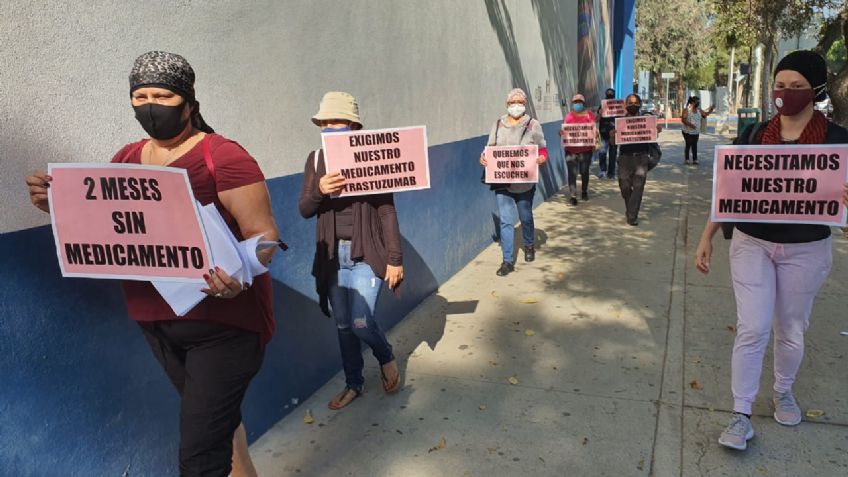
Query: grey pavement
{"x": 607, "y": 356}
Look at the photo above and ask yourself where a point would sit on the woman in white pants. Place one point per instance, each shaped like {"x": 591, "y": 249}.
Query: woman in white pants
{"x": 777, "y": 269}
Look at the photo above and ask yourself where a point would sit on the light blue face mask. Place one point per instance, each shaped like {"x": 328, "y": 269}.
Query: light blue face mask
{"x": 578, "y": 107}
{"x": 332, "y": 130}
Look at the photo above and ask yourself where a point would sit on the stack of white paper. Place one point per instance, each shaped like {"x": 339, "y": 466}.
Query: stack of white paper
{"x": 237, "y": 259}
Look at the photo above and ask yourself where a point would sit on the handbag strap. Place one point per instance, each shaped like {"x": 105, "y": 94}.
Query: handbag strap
{"x": 524, "y": 133}
{"x": 207, "y": 158}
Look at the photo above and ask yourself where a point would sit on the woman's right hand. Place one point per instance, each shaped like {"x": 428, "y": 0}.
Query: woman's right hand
{"x": 703, "y": 255}
{"x": 38, "y": 183}
{"x": 331, "y": 183}
{"x": 483, "y": 161}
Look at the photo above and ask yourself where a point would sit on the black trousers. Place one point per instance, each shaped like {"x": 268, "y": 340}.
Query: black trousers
{"x": 211, "y": 365}
{"x": 632, "y": 173}
{"x": 578, "y": 161}
{"x": 691, "y": 145}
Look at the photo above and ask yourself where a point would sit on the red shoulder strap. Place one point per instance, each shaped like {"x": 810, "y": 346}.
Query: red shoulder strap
{"x": 133, "y": 150}
{"x": 207, "y": 157}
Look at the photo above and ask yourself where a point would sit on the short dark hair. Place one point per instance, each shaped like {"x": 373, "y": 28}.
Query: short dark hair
{"x": 610, "y": 90}
{"x": 693, "y": 100}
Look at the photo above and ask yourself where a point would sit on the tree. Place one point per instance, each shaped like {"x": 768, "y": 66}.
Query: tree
{"x": 670, "y": 37}
{"x": 770, "y": 19}
{"x": 833, "y": 39}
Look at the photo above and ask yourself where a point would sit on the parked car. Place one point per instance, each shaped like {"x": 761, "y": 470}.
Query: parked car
{"x": 648, "y": 107}
{"x": 826, "y": 107}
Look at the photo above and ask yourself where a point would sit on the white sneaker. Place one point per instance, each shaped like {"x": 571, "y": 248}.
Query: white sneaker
{"x": 738, "y": 432}
{"x": 786, "y": 410}
{"x": 602, "y": 174}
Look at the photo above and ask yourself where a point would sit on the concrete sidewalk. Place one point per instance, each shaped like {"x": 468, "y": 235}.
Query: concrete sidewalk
{"x": 609, "y": 355}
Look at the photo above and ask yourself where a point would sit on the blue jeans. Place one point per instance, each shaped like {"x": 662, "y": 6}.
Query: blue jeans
{"x": 507, "y": 203}
{"x": 607, "y": 149}
{"x": 353, "y": 299}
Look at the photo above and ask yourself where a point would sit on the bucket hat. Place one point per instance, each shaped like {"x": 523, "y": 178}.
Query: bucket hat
{"x": 338, "y": 105}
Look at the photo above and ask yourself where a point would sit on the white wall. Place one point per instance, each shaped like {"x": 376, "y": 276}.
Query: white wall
{"x": 262, "y": 67}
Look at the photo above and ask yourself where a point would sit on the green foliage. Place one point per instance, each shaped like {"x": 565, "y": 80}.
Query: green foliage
{"x": 837, "y": 55}
{"x": 670, "y": 34}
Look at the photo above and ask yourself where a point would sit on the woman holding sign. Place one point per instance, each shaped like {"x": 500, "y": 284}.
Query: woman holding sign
{"x": 358, "y": 247}
{"x": 212, "y": 353}
{"x": 516, "y": 128}
{"x": 578, "y": 157}
{"x": 692, "y": 119}
{"x": 777, "y": 268}
{"x": 633, "y": 165}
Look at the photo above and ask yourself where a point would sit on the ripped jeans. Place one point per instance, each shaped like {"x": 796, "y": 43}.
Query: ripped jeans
{"x": 353, "y": 299}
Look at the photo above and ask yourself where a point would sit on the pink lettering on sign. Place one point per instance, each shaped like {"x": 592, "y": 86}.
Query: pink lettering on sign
{"x": 511, "y": 164}
{"x": 579, "y": 134}
{"x": 127, "y": 221}
{"x": 636, "y": 129}
{"x": 612, "y": 108}
{"x": 379, "y": 161}
{"x": 800, "y": 184}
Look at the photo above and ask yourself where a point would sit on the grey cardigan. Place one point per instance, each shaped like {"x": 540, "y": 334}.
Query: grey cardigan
{"x": 514, "y": 136}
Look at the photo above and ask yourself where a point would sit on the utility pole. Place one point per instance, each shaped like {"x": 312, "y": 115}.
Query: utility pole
{"x": 730, "y": 101}
{"x": 748, "y": 76}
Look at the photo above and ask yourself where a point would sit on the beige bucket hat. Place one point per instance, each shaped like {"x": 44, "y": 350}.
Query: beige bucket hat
{"x": 338, "y": 105}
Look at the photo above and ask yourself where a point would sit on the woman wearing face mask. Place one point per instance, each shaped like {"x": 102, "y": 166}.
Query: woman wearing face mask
{"x": 516, "y": 128}
{"x": 608, "y": 149}
{"x": 578, "y": 158}
{"x": 212, "y": 353}
{"x": 632, "y": 166}
{"x": 777, "y": 269}
{"x": 358, "y": 247}
{"x": 692, "y": 117}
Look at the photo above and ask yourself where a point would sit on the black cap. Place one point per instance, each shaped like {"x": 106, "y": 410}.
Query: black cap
{"x": 811, "y": 66}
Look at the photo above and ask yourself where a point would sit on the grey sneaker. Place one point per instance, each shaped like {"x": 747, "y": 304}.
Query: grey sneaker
{"x": 738, "y": 432}
{"x": 786, "y": 410}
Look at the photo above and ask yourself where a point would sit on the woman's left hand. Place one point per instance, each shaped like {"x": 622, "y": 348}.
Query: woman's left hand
{"x": 394, "y": 276}
{"x": 541, "y": 160}
{"x": 221, "y": 285}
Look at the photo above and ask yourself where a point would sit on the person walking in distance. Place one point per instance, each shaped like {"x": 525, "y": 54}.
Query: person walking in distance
{"x": 516, "y": 128}
{"x": 578, "y": 158}
{"x": 693, "y": 119}
{"x": 633, "y": 164}
{"x": 609, "y": 151}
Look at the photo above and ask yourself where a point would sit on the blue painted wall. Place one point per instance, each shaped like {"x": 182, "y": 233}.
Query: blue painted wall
{"x": 624, "y": 45}
{"x": 81, "y": 394}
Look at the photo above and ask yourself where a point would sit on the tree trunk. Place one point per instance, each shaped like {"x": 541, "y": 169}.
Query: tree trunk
{"x": 681, "y": 96}
{"x": 837, "y": 85}
{"x": 768, "y": 67}
{"x": 659, "y": 87}
{"x": 730, "y": 101}
{"x": 758, "y": 75}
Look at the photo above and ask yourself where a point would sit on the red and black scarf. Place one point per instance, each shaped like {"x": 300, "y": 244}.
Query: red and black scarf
{"x": 814, "y": 132}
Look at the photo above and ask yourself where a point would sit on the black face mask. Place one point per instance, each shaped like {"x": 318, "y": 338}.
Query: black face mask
{"x": 633, "y": 110}
{"x": 160, "y": 121}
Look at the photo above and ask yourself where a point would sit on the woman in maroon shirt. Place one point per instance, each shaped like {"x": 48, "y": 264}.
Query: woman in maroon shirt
{"x": 212, "y": 353}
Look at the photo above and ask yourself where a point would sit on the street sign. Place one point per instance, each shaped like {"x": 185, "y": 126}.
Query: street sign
{"x": 668, "y": 76}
